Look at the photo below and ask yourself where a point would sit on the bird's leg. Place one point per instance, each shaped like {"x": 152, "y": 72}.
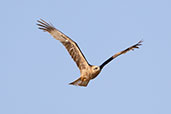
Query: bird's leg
{"x": 83, "y": 79}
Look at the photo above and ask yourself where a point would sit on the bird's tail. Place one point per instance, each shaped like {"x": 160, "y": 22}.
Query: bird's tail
{"x": 79, "y": 82}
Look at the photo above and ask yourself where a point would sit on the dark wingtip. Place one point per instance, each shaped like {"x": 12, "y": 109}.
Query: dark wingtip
{"x": 140, "y": 42}
{"x": 43, "y": 25}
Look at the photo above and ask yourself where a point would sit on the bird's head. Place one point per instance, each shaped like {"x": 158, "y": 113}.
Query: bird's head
{"x": 95, "y": 70}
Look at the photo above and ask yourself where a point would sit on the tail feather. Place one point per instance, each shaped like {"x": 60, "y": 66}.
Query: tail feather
{"x": 79, "y": 82}
{"x": 76, "y": 82}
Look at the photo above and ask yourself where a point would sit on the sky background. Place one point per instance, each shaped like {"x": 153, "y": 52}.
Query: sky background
{"x": 36, "y": 69}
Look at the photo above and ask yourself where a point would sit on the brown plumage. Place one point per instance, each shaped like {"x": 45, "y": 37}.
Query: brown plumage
{"x": 69, "y": 44}
{"x": 87, "y": 71}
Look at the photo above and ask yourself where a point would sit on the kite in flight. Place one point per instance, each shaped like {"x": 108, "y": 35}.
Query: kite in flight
{"x": 87, "y": 71}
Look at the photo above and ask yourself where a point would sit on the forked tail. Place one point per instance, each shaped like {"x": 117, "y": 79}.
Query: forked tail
{"x": 79, "y": 82}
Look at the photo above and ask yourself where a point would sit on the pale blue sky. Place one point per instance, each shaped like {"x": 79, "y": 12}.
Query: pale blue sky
{"x": 36, "y": 69}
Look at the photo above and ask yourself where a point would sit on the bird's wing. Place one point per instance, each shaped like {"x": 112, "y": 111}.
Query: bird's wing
{"x": 122, "y": 52}
{"x": 69, "y": 44}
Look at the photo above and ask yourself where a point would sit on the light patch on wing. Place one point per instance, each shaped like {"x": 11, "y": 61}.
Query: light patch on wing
{"x": 58, "y": 35}
{"x": 69, "y": 44}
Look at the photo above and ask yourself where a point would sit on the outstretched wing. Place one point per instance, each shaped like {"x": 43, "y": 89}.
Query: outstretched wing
{"x": 69, "y": 44}
{"x": 122, "y": 52}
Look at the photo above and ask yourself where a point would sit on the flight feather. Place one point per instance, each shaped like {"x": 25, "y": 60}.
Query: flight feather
{"x": 69, "y": 44}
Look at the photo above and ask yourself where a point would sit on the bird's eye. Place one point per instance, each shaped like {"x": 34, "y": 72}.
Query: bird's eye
{"x": 95, "y": 68}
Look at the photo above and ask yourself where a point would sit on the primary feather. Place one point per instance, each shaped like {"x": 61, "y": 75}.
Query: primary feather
{"x": 69, "y": 44}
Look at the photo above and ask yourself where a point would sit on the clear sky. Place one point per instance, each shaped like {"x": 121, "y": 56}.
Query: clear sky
{"x": 36, "y": 69}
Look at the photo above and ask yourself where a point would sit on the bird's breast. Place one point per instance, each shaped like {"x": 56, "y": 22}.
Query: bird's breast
{"x": 94, "y": 75}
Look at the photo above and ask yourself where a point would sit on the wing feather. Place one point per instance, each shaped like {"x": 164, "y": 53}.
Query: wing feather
{"x": 122, "y": 52}
{"x": 69, "y": 44}
{"x": 128, "y": 49}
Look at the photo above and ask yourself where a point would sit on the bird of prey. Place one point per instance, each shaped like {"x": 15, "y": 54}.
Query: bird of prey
{"x": 87, "y": 71}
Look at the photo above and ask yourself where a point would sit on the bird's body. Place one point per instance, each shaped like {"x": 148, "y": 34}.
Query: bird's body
{"x": 87, "y": 71}
{"x": 87, "y": 74}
